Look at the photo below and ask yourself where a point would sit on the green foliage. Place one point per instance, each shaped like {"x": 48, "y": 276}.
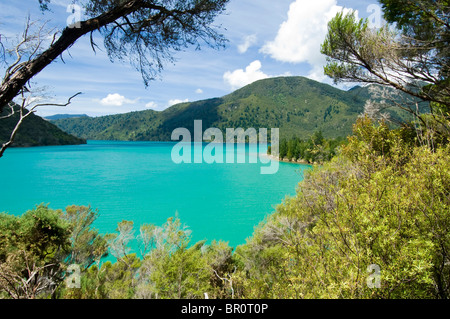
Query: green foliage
{"x": 36, "y": 248}
{"x": 296, "y": 105}
{"x": 423, "y": 20}
{"x": 381, "y": 201}
{"x": 170, "y": 268}
{"x": 181, "y": 274}
{"x": 343, "y": 29}
{"x": 316, "y": 149}
{"x": 32, "y": 247}
{"x": 40, "y": 232}
{"x": 174, "y": 269}
{"x": 410, "y": 57}
{"x": 156, "y": 29}
{"x": 87, "y": 246}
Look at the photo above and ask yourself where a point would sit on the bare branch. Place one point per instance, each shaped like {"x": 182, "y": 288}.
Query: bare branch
{"x": 229, "y": 280}
{"x": 190, "y": 22}
{"x": 25, "y": 281}
{"x": 69, "y": 101}
{"x": 24, "y": 113}
{"x": 12, "y": 111}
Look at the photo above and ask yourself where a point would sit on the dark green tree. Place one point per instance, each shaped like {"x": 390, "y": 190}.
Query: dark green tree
{"x": 283, "y": 148}
{"x": 37, "y": 247}
{"x": 317, "y": 138}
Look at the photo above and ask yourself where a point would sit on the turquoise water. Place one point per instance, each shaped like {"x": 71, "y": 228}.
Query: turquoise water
{"x": 138, "y": 181}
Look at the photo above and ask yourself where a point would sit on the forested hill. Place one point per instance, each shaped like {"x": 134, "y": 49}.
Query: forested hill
{"x": 35, "y": 131}
{"x": 296, "y": 105}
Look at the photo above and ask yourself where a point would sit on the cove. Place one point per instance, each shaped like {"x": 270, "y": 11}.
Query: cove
{"x": 139, "y": 182}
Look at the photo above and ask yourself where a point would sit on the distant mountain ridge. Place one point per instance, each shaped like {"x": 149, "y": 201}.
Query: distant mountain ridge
{"x": 296, "y": 105}
{"x": 64, "y": 116}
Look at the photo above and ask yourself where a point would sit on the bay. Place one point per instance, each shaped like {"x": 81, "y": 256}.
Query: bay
{"x": 138, "y": 181}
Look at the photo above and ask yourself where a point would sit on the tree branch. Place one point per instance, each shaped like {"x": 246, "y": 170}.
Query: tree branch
{"x": 23, "y": 114}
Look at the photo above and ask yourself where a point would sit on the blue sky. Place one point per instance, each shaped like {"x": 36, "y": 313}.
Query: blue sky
{"x": 266, "y": 38}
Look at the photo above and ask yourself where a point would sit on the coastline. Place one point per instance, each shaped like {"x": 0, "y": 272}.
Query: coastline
{"x": 285, "y": 160}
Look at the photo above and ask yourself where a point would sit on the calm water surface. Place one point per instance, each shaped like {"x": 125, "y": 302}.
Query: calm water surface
{"x": 138, "y": 181}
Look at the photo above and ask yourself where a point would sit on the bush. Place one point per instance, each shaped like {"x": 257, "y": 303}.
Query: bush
{"x": 380, "y": 202}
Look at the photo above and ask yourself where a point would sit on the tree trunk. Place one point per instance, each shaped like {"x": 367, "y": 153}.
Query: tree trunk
{"x": 11, "y": 88}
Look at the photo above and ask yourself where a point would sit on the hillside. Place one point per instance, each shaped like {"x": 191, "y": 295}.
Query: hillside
{"x": 296, "y": 105}
{"x": 35, "y": 131}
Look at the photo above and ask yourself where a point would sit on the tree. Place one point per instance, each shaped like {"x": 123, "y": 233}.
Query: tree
{"x": 412, "y": 58}
{"x": 283, "y": 149}
{"x": 87, "y": 245}
{"x": 37, "y": 247}
{"x": 381, "y": 201}
{"x": 19, "y": 113}
{"x": 317, "y": 138}
{"x": 119, "y": 244}
{"x": 426, "y": 21}
{"x": 32, "y": 248}
{"x": 29, "y": 98}
{"x": 146, "y": 32}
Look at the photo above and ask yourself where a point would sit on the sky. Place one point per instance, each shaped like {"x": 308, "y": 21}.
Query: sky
{"x": 266, "y": 38}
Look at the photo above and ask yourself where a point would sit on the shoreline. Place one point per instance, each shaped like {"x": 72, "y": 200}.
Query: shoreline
{"x": 285, "y": 160}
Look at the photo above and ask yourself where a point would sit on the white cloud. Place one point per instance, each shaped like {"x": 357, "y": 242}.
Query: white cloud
{"x": 157, "y": 107}
{"x": 316, "y": 74}
{"x": 176, "y": 101}
{"x": 299, "y": 38}
{"x": 116, "y": 100}
{"x": 199, "y": 91}
{"x": 249, "y": 41}
{"x": 151, "y": 105}
{"x": 240, "y": 77}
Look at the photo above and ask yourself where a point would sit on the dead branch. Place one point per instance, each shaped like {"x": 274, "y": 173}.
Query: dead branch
{"x": 24, "y": 113}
